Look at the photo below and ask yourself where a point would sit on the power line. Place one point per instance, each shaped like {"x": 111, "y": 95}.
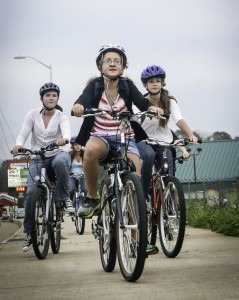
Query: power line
{"x": 5, "y": 140}
{"x": 8, "y": 126}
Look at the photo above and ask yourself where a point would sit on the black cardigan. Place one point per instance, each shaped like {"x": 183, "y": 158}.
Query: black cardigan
{"x": 91, "y": 97}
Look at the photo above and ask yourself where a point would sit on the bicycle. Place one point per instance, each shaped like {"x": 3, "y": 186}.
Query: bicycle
{"x": 166, "y": 206}
{"x": 121, "y": 221}
{"x": 77, "y": 201}
{"x": 45, "y": 214}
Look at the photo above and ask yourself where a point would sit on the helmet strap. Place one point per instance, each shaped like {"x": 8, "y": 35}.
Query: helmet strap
{"x": 49, "y": 109}
{"x": 110, "y": 79}
{"x": 154, "y": 94}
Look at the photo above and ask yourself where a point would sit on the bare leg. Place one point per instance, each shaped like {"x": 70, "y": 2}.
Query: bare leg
{"x": 136, "y": 162}
{"x": 95, "y": 149}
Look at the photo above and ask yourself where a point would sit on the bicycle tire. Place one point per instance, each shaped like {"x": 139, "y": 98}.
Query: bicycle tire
{"x": 39, "y": 225}
{"x": 55, "y": 228}
{"x": 107, "y": 240}
{"x": 132, "y": 239}
{"x": 172, "y": 221}
{"x": 79, "y": 221}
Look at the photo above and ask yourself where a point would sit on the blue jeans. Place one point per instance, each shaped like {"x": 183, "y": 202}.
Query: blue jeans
{"x": 151, "y": 155}
{"x": 60, "y": 163}
{"x": 73, "y": 185}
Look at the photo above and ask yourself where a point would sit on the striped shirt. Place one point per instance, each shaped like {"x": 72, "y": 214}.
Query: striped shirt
{"x": 105, "y": 126}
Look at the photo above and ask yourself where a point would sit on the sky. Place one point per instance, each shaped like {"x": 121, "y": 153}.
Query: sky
{"x": 195, "y": 41}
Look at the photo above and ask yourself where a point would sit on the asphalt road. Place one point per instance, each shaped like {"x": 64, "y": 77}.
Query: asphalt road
{"x": 206, "y": 268}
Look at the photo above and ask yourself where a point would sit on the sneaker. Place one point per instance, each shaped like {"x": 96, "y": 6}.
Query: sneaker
{"x": 27, "y": 245}
{"x": 68, "y": 206}
{"x": 151, "y": 249}
{"x": 89, "y": 206}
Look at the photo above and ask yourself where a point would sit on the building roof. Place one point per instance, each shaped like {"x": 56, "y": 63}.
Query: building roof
{"x": 217, "y": 161}
{"x": 6, "y": 199}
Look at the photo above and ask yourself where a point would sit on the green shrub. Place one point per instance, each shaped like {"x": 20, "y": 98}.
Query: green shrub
{"x": 221, "y": 220}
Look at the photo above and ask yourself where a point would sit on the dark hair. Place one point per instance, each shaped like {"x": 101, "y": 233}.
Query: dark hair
{"x": 164, "y": 103}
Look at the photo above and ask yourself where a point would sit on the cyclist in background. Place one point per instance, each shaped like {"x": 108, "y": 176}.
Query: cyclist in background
{"x": 76, "y": 153}
{"x": 46, "y": 124}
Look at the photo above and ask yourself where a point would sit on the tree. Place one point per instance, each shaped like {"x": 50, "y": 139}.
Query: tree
{"x": 221, "y": 135}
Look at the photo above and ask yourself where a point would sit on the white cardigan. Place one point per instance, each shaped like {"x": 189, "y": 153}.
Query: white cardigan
{"x": 58, "y": 127}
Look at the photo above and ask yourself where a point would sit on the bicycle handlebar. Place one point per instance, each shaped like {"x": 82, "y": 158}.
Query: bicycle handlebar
{"x": 40, "y": 152}
{"x": 179, "y": 142}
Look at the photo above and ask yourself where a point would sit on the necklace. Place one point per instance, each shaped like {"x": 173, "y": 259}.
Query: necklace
{"x": 110, "y": 99}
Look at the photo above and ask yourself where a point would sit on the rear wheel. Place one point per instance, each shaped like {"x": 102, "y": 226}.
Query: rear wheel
{"x": 132, "y": 234}
{"x": 39, "y": 225}
{"x": 172, "y": 217}
{"x": 55, "y": 227}
{"x": 107, "y": 241}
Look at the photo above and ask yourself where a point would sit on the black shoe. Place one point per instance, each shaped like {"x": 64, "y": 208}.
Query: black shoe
{"x": 89, "y": 207}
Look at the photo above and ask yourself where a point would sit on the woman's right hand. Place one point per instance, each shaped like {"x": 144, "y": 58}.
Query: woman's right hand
{"x": 78, "y": 110}
{"x": 15, "y": 149}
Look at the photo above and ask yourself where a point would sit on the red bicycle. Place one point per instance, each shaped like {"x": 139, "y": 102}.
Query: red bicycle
{"x": 166, "y": 206}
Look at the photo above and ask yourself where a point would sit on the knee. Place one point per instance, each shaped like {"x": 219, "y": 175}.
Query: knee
{"x": 146, "y": 152}
{"x": 91, "y": 154}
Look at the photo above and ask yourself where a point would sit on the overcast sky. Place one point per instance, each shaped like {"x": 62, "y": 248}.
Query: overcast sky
{"x": 195, "y": 41}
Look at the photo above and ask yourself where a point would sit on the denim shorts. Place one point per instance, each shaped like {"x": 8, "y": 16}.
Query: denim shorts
{"x": 113, "y": 143}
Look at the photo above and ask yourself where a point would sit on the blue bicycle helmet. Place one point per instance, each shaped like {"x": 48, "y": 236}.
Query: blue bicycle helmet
{"x": 151, "y": 72}
{"x": 49, "y": 87}
{"x": 111, "y": 48}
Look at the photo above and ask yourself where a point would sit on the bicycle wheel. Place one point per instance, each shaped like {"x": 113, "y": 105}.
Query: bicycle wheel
{"x": 39, "y": 226}
{"x": 79, "y": 221}
{"x": 132, "y": 236}
{"x": 55, "y": 227}
{"x": 172, "y": 217}
{"x": 107, "y": 241}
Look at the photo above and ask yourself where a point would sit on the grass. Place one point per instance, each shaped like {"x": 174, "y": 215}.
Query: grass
{"x": 222, "y": 220}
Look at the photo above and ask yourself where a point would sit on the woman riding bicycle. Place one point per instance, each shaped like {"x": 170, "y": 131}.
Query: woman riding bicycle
{"x": 153, "y": 79}
{"x": 98, "y": 133}
{"x": 76, "y": 153}
{"x": 46, "y": 124}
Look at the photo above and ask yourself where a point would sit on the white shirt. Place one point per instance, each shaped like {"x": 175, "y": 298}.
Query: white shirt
{"x": 164, "y": 134}
{"x": 58, "y": 127}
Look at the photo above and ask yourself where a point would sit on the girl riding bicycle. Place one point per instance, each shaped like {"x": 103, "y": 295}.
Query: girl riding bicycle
{"x": 109, "y": 90}
{"x": 76, "y": 153}
{"x": 153, "y": 79}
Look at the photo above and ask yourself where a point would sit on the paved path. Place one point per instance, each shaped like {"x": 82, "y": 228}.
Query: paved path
{"x": 206, "y": 268}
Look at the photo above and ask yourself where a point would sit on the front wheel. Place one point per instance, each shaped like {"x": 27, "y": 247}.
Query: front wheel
{"x": 172, "y": 217}
{"x": 39, "y": 225}
{"x": 132, "y": 234}
{"x": 79, "y": 221}
{"x": 107, "y": 241}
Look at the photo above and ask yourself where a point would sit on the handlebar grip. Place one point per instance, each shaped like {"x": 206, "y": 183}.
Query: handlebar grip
{"x": 199, "y": 141}
{"x": 166, "y": 116}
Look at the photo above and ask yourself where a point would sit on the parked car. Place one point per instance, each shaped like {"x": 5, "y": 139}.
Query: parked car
{"x": 20, "y": 213}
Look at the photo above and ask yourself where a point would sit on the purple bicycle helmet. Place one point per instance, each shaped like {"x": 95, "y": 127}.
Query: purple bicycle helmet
{"x": 152, "y": 71}
{"x": 111, "y": 48}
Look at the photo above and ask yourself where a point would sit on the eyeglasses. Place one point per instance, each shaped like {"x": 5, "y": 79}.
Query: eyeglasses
{"x": 110, "y": 61}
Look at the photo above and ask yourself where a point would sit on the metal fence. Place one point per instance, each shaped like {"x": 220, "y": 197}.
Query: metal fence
{"x": 214, "y": 193}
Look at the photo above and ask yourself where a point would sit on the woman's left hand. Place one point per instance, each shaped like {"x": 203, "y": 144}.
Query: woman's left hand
{"x": 159, "y": 111}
